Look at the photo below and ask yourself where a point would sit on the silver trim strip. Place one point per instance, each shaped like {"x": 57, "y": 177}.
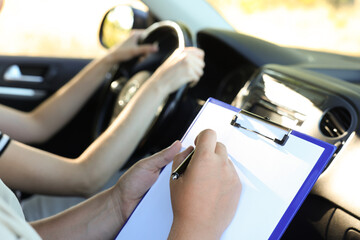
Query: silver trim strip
{"x": 13, "y": 73}
{"x": 22, "y": 92}
{"x": 3, "y": 141}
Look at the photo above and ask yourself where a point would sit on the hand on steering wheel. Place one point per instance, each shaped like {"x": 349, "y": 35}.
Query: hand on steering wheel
{"x": 130, "y": 48}
{"x": 182, "y": 67}
{"x": 173, "y": 62}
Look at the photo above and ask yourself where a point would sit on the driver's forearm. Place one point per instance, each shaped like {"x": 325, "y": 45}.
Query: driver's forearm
{"x": 45, "y": 120}
{"x": 111, "y": 150}
{"x": 52, "y": 174}
{"x": 32, "y": 170}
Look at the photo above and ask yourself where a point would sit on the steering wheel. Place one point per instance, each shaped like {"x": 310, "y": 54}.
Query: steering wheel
{"x": 118, "y": 89}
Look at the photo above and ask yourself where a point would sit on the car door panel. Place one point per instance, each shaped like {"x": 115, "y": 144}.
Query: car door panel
{"x": 27, "y": 81}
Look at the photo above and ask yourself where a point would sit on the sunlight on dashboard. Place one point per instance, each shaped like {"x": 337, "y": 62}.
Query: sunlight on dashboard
{"x": 281, "y": 94}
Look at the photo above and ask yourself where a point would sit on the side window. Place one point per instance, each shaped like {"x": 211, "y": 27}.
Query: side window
{"x": 64, "y": 28}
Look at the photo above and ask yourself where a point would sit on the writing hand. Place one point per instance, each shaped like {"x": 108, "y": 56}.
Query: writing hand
{"x": 205, "y": 197}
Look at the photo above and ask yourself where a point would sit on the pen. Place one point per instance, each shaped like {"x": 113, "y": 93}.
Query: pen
{"x": 181, "y": 168}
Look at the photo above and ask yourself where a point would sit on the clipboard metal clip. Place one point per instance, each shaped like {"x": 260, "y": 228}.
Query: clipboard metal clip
{"x": 266, "y": 120}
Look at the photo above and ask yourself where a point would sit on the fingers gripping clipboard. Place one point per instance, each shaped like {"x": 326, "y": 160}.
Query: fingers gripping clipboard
{"x": 277, "y": 167}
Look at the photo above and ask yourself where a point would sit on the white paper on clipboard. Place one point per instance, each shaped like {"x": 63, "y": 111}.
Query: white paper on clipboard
{"x": 275, "y": 179}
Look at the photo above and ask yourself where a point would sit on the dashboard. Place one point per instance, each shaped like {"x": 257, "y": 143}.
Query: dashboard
{"x": 314, "y": 93}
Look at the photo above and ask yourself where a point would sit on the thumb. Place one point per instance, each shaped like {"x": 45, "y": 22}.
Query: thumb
{"x": 181, "y": 157}
{"x": 144, "y": 49}
{"x": 164, "y": 157}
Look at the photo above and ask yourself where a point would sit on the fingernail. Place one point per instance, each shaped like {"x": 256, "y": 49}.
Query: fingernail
{"x": 173, "y": 144}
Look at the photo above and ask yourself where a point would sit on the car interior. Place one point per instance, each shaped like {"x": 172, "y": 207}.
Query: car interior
{"x": 316, "y": 93}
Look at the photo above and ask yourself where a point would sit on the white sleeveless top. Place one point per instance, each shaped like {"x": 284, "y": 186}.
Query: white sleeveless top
{"x": 12, "y": 220}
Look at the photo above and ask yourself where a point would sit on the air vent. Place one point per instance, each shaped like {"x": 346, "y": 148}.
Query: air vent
{"x": 335, "y": 122}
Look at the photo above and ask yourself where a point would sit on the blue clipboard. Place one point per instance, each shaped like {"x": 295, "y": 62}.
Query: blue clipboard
{"x": 276, "y": 178}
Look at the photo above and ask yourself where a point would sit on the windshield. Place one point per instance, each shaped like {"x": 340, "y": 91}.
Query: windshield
{"x": 325, "y": 25}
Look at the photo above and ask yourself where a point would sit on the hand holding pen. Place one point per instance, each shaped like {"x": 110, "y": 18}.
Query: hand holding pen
{"x": 182, "y": 166}
{"x": 205, "y": 196}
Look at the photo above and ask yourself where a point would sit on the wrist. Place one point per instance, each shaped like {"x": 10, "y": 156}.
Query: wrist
{"x": 118, "y": 205}
{"x": 110, "y": 58}
{"x": 185, "y": 230}
{"x": 159, "y": 84}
